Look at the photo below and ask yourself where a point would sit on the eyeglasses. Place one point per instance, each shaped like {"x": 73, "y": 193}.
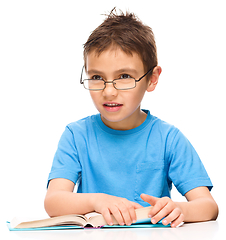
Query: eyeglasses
{"x": 119, "y": 84}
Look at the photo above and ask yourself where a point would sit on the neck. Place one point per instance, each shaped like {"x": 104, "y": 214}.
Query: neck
{"x": 133, "y": 121}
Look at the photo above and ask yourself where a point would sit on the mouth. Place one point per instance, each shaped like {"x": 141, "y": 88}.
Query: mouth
{"x": 112, "y": 106}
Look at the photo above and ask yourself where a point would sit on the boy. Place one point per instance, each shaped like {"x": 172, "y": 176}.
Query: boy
{"x": 124, "y": 151}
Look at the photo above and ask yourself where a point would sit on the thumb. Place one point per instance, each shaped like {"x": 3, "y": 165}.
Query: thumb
{"x": 149, "y": 199}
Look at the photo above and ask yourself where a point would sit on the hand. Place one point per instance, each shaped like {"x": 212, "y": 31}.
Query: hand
{"x": 164, "y": 207}
{"x": 122, "y": 209}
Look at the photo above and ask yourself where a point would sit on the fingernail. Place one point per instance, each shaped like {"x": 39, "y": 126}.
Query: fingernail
{"x": 165, "y": 222}
{"x": 111, "y": 223}
{"x": 153, "y": 221}
{"x": 150, "y": 216}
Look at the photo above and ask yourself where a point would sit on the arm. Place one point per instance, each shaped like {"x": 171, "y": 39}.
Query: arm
{"x": 200, "y": 207}
{"x": 60, "y": 200}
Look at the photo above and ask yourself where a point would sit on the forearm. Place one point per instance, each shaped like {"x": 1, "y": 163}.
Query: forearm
{"x": 63, "y": 202}
{"x": 201, "y": 209}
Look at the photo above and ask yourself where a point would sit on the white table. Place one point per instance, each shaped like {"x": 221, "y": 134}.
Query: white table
{"x": 200, "y": 231}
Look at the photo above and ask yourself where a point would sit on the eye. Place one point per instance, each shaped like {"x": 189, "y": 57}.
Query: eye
{"x": 125, "y": 76}
{"x": 96, "y": 77}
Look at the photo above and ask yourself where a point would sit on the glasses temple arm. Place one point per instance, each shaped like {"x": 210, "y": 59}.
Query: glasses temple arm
{"x": 150, "y": 70}
{"x": 81, "y": 75}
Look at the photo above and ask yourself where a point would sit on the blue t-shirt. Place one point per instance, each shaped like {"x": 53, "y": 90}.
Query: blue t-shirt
{"x": 146, "y": 159}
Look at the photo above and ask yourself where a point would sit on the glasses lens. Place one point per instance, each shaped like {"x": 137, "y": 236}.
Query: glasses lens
{"x": 93, "y": 84}
{"x": 126, "y": 83}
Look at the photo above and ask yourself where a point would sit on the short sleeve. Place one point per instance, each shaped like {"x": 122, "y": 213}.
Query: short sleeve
{"x": 186, "y": 170}
{"x": 66, "y": 162}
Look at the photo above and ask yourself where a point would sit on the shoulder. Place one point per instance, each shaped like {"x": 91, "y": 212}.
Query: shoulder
{"x": 163, "y": 128}
{"x": 76, "y": 133}
{"x": 82, "y": 124}
{"x": 165, "y": 134}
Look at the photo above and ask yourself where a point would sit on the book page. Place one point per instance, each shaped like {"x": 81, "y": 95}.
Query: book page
{"x": 94, "y": 219}
{"x": 97, "y": 221}
{"x": 15, "y": 222}
{"x": 79, "y": 220}
{"x": 91, "y": 214}
{"x": 142, "y": 213}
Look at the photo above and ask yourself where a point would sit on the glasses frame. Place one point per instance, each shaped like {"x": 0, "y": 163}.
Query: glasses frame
{"x": 113, "y": 81}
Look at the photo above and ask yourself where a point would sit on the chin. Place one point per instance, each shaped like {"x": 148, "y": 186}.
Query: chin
{"x": 111, "y": 119}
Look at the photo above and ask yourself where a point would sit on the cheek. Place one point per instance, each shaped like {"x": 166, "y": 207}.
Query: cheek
{"x": 138, "y": 94}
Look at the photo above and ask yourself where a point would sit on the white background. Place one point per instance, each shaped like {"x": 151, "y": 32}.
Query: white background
{"x": 41, "y": 44}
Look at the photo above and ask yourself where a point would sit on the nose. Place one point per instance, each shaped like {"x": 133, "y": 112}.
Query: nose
{"x": 110, "y": 90}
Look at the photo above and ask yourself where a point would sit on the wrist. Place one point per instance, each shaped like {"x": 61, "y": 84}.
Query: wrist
{"x": 184, "y": 208}
{"x": 94, "y": 199}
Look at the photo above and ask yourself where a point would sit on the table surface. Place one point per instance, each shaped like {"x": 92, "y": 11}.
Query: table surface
{"x": 204, "y": 230}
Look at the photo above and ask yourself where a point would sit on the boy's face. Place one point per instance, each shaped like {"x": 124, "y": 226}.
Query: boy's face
{"x": 119, "y": 109}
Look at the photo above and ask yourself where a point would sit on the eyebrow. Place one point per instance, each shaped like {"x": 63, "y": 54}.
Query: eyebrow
{"x": 122, "y": 70}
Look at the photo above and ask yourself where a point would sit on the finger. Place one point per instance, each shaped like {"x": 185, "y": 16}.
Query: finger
{"x": 155, "y": 202}
{"x": 117, "y": 214}
{"x": 160, "y": 210}
{"x": 107, "y": 216}
{"x": 172, "y": 216}
{"x": 149, "y": 199}
{"x": 178, "y": 221}
{"x": 127, "y": 211}
{"x": 133, "y": 212}
{"x": 159, "y": 205}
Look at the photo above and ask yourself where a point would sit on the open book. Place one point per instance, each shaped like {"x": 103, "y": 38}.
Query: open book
{"x": 93, "y": 220}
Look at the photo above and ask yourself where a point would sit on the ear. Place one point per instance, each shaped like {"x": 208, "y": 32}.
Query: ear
{"x": 154, "y": 78}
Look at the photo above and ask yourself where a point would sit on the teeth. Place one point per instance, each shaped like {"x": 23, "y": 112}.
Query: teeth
{"x": 112, "y": 104}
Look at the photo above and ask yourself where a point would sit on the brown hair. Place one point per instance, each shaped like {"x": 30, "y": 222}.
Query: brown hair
{"x": 125, "y": 31}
